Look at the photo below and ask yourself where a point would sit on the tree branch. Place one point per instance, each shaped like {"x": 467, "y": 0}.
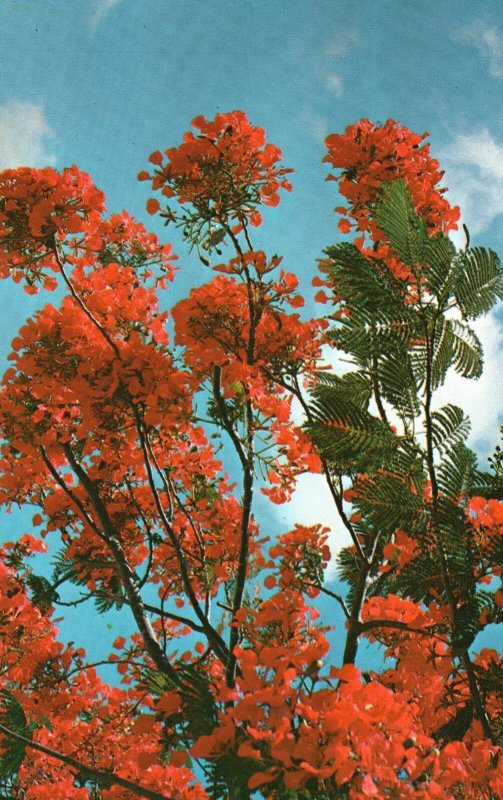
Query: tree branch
{"x": 127, "y": 577}
{"x": 228, "y": 426}
{"x": 100, "y": 775}
{"x": 392, "y": 623}
{"x": 244, "y": 546}
{"x": 79, "y": 300}
{"x": 354, "y": 631}
{"x": 377, "y": 392}
{"x": 245, "y": 455}
{"x": 478, "y": 704}
{"x": 212, "y": 635}
{"x": 73, "y": 497}
{"x": 329, "y": 593}
{"x": 326, "y": 472}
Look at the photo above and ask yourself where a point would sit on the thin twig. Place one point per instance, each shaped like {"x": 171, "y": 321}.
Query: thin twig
{"x": 80, "y": 302}
{"x": 211, "y": 633}
{"x": 112, "y": 539}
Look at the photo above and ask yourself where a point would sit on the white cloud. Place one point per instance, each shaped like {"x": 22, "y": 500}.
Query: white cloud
{"x": 330, "y": 78}
{"x": 474, "y": 173}
{"x": 489, "y": 42}
{"x": 24, "y": 131}
{"x": 481, "y": 151}
{"x": 334, "y": 83}
{"x": 99, "y": 10}
{"x": 312, "y": 504}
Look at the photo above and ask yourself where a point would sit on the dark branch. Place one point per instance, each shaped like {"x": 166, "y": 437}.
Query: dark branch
{"x": 127, "y": 577}
{"x": 106, "y": 777}
{"x": 215, "y": 639}
{"x": 79, "y": 300}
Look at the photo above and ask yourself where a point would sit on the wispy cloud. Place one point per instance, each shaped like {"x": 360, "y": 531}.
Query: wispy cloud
{"x": 99, "y": 10}
{"x": 317, "y": 125}
{"x": 489, "y": 42}
{"x": 24, "y": 132}
{"x": 342, "y": 44}
{"x": 335, "y": 84}
{"x": 335, "y": 51}
{"x": 474, "y": 173}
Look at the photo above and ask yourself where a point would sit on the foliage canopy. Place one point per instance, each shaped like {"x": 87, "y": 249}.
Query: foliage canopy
{"x": 227, "y": 686}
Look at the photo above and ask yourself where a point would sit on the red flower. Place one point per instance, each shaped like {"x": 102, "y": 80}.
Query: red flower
{"x": 370, "y": 156}
{"x": 225, "y": 170}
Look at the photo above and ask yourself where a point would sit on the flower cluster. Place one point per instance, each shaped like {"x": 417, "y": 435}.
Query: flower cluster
{"x": 369, "y": 156}
{"x": 225, "y": 170}
{"x": 102, "y": 431}
{"x": 49, "y": 220}
{"x": 37, "y": 205}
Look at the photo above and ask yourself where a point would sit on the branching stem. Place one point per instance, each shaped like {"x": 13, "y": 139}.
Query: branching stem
{"x": 108, "y": 778}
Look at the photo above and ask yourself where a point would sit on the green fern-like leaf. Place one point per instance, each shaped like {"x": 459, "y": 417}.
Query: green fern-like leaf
{"x": 405, "y": 231}
{"x": 347, "y": 435}
{"x": 488, "y": 485}
{"x": 361, "y": 282}
{"x": 450, "y": 426}
{"x": 455, "y": 345}
{"x": 392, "y": 499}
{"x": 43, "y": 593}
{"x": 467, "y": 350}
{"x": 468, "y": 623}
{"x": 69, "y": 568}
{"x": 455, "y": 473}
{"x": 12, "y": 716}
{"x": 480, "y": 281}
{"x": 199, "y": 710}
{"x": 369, "y": 334}
{"x": 422, "y": 577}
{"x": 355, "y": 385}
{"x": 441, "y": 273}
{"x": 397, "y": 382}
{"x": 442, "y": 353}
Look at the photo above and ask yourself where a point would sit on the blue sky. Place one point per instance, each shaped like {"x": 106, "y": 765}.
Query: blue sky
{"x": 102, "y": 83}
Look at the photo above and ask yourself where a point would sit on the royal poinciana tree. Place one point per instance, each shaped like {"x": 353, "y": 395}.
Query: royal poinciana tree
{"x": 227, "y": 687}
